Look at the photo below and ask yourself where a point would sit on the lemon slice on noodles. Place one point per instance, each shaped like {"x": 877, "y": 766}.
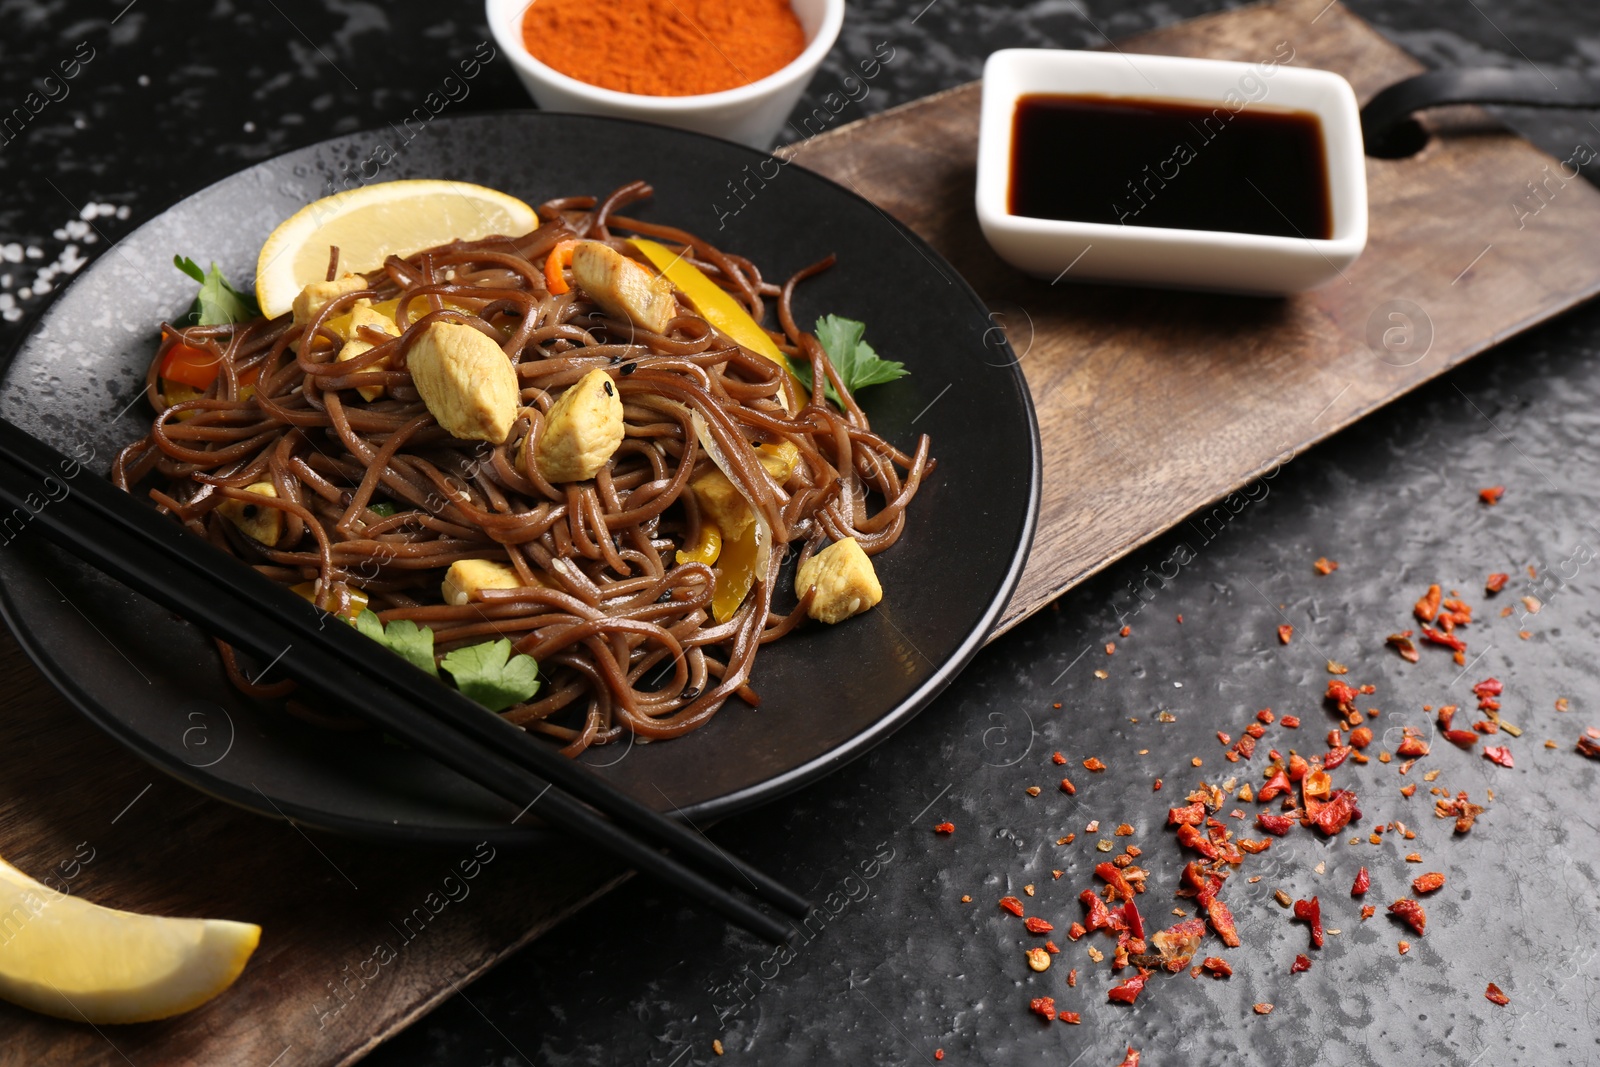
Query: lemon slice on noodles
{"x": 372, "y": 222}
{"x": 67, "y": 957}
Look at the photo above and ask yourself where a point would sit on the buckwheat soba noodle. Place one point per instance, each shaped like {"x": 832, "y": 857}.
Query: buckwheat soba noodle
{"x": 642, "y": 592}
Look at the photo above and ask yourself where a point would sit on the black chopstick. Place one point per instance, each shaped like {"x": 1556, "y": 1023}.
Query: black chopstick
{"x": 167, "y": 537}
{"x": 408, "y": 706}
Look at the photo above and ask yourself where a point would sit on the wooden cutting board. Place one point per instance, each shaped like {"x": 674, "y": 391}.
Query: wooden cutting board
{"x": 1152, "y": 405}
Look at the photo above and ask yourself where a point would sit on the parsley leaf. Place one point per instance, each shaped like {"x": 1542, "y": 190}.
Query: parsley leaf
{"x": 404, "y": 638}
{"x": 491, "y": 675}
{"x": 219, "y": 303}
{"x": 855, "y": 360}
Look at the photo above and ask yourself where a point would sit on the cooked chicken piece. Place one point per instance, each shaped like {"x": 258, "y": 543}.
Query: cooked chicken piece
{"x": 724, "y": 505}
{"x": 844, "y": 581}
{"x": 363, "y": 315}
{"x": 466, "y": 381}
{"x": 318, "y": 295}
{"x": 582, "y": 430}
{"x": 261, "y": 524}
{"x": 467, "y": 577}
{"x": 622, "y": 287}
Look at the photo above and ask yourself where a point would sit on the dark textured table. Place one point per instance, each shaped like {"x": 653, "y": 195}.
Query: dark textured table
{"x": 166, "y": 98}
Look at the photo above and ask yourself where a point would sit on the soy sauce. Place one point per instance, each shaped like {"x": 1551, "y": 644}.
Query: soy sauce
{"x": 1149, "y": 162}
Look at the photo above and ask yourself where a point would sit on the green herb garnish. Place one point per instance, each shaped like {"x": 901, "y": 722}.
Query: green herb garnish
{"x": 219, "y": 303}
{"x": 487, "y": 673}
{"x": 404, "y": 638}
{"x": 857, "y": 363}
{"x": 491, "y": 675}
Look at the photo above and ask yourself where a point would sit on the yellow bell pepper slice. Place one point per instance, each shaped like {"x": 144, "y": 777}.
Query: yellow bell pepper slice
{"x": 711, "y": 300}
{"x": 736, "y": 573}
{"x": 706, "y": 549}
{"x": 358, "y": 599}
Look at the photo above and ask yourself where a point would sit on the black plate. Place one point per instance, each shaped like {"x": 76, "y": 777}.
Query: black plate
{"x": 828, "y": 693}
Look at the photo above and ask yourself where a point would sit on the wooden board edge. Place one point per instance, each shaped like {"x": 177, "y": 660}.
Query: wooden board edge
{"x": 1010, "y": 619}
{"x": 440, "y": 994}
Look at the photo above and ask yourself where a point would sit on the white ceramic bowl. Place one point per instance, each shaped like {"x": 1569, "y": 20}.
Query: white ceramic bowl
{"x": 1149, "y": 255}
{"x": 752, "y": 114}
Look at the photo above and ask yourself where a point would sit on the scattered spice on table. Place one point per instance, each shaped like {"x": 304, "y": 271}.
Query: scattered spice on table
{"x": 1496, "y": 996}
{"x": 945, "y": 828}
{"x": 1492, "y": 495}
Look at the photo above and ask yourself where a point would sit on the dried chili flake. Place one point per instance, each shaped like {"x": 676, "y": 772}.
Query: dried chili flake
{"x": 1115, "y": 879}
{"x": 1012, "y": 904}
{"x": 945, "y": 828}
{"x": 1284, "y": 633}
{"x": 1450, "y": 641}
{"x": 1052, "y": 948}
{"x": 1277, "y": 825}
{"x": 1254, "y": 847}
{"x": 1362, "y": 884}
{"x": 1129, "y": 991}
{"x": 1222, "y": 922}
{"x": 1133, "y": 920}
{"x": 1265, "y": 716}
{"x": 1499, "y": 754}
{"x": 1483, "y": 726}
{"x": 1122, "y": 830}
{"x": 1589, "y": 743}
{"x": 1191, "y": 815}
{"x": 1255, "y": 730}
{"x": 1495, "y": 582}
{"x": 1411, "y": 913}
{"x": 1325, "y": 566}
{"x": 1224, "y": 738}
{"x": 1290, "y": 722}
{"x": 1464, "y": 738}
{"x": 1093, "y": 764}
{"x": 1408, "y": 790}
{"x": 1301, "y": 963}
{"x": 1072, "y": 977}
{"x": 1068, "y": 788}
{"x": 1276, "y": 785}
{"x": 1341, "y": 693}
{"x": 1563, "y": 704}
{"x": 1489, "y": 687}
{"x": 1310, "y": 912}
{"x": 1263, "y": 1009}
{"x": 1044, "y": 1007}
{"x": 1037, "y": 925}
{"x": 1069, "y": 1017}
{"x": 1411, "y": 744}
{"x": 1189, "y": 837}
{"x": 1111, "y": 648}
{"x": 1075, "y": 931}
{"x": 1427, "y": 883}
{"x": 1099, "y": 918}
{"x": 1492, "y": 495}
{"x": 1404, "y": 946}
{"x": 1206, "y": 884}
{"x": 1125, "y": 631}
{"x": 1335, "y": 757}
{"x": 1496, "y": 996}
{"x": 1058, "y": 759}
{"x": 1131, "y": 1059}
{"x": 1360, "y": 737}
{"x": 1216, "y": 967}
{"x": 1337, "y": 813}
{"x": 1402, "y": 643}
{"x": 1428, "y": 607}
{"x": 938, "y": 1053}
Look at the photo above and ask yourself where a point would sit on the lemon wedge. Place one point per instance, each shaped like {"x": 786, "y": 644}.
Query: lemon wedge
{"x": 67, "y": 957}
{"x": 370, "y": 223}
